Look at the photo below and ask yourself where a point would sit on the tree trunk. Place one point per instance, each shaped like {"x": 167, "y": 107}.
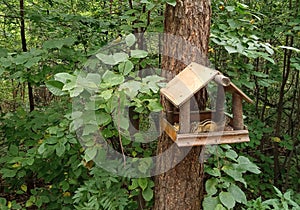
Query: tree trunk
{"x": 187, "y": 27}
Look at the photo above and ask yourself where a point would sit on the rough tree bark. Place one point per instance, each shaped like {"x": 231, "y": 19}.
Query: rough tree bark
{"x": 182, "y": 186}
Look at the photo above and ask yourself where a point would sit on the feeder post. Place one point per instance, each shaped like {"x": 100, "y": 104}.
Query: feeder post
{"x": 237, "y": 111}
{"x": 220, "y": 101}
{"x": 184, "y": 117}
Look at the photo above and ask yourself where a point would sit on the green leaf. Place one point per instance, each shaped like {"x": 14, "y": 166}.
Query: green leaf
{"x": 60, "y": 149}
{"x": 227, "y": 199}
{"x": 130, "y": 39}
{"x": 3, "y": 53}
{"x": 89, "y": 129}
{"x": 64, "y": 77}
{"x": 120, "y": 57}
{"x": 230, "y": 49}
{"x": 32, "y": 61}
{"x": 107, "y": 59}
{"x": 103, "y": 118}
{"x": 237, "y": 193}
{"x": 171, "y": 2}
{"x": 90, "y": 153}
{"x": 6, "y": 173}
{"x": 259, "y": 74}
{"x": 58, "y": 43}
{"x": 154, "y": 105}
{"x": 235, "y": 174}
{"x": 125, "y": 67}
{"x": 138, "y": 53}
{"x": 231, "y": 154}
{"x": 112, "y": 78}
{"x": 290, "y": 48}
{"x": 210, "y": 203}
{"x": 2, "y": 202}
{"x": 13, "y": 150}
{"x": 246, "y": 164}
{"x": 220, "y": 207}
{"x": 214, "y": 172}
{"x": 143, "y": 183}
{"x": 211, "y": 186}
{"x": 55, "y": 87}
{"x": 106, "y": 94}
{"x": 131, "y": 88}
{"x": 147, "y": 194}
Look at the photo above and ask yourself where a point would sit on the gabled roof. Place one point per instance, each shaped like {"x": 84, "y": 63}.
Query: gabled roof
{"x": 189, "y": 81}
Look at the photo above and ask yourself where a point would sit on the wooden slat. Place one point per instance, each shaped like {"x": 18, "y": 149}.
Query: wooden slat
{"x": 184, "y": 117}
{"x": 189, "y": 81}
{"x": 226, "y": 137}
{"x": 168, "y": 128}
{"x": 234, "y": 89}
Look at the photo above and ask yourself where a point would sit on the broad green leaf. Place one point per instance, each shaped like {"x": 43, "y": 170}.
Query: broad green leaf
{"x": 237, "y": 193}
{"x": 231, "y": 154}
{"x": 41, "y": 149}
{"x": 32, "y": 61}
{"x": 90, "y": 153}
{"x": 230, "y": 8}
{"x": 76, "y": 91}
{"x": 211, "y": 186}
{"x": 210, "y": 203}
{"x": 148, "y": 194}
{"x": 106, "y": 94}
{"x": 230, "y": 49}
{"x": 93, "y": 77}
{"x": 112, "y": 78}
{"x": 103, "y": 118}
{"x": 6, "y": 62}
{"x": 55, "y": 87}
{"x": 154, "y": 105}
{"x": 260, "y": 74}
{"x": 7, "y": 173}
{"x": 3, "y": 52}
{"x": 122, "y": 122}
{"x": 64, "y": 77}
{"x": 13, "y": 150}
{"x": 214, "y": 172}
{"x": 138, "y": 53}
{"x": 143, "y": 183}
{"x": 246, "y": 164}
{"x": 171, "y": 2}
{"x": 290, "y": 48}
{"x": 58, "y": 43}
{"x": 107, "y": 59}
{"x": 125, "y": 67}
{"x": 60, "y": 149}
{"x": 220, "y": 207}
{"x": 235, "y": 174}
{"x": 131, "y": 88}
{"x": 89, "y": 129}
{"x": 130, "y": 39}
{"x": 120, "y": 57}
{"x": 227, "y": 199}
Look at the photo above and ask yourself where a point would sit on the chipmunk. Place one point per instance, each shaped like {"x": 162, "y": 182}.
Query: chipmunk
{"x": 207, "y": 126}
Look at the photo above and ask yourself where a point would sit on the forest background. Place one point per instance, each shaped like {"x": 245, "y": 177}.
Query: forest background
{"x": 45, "y": 43}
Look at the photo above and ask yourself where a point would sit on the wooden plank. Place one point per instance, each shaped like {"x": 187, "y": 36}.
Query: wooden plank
{"x": 234, "y": 89}
{"x": 184, "y": 117}
{"x": 237, "y": 112}
{"x": 189, "y": 81}
{"x": 168, "y": 128}
{"x": 226, "y": 137}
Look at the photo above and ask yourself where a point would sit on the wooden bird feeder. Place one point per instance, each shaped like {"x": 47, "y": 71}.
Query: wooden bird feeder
{"x": 212, "y": 127}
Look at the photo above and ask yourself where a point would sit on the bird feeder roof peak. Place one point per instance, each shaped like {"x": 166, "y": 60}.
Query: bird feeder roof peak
{"x": 192, "y": 79}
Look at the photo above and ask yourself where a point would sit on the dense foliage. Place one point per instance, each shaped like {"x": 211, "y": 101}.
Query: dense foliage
{"x": 43, "y": 50}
